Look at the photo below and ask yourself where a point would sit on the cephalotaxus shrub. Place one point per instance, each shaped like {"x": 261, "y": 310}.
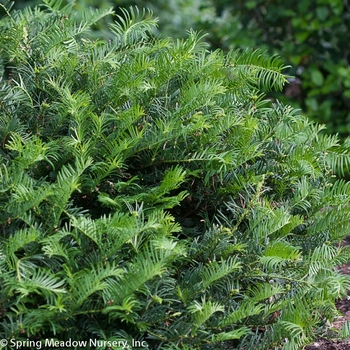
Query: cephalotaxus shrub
{"x": 149, "y": 193}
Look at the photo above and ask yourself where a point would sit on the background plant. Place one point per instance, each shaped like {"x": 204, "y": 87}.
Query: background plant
{"x": 148, "y": 190}
{"x": 310, "y": 36}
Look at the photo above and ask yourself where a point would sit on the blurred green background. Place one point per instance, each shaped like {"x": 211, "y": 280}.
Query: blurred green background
{"x": 311, "y": 35}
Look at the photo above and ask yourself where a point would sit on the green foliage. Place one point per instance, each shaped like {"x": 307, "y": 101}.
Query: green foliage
{"x": 311, "y": 36}
{"x": 149, "y": 192}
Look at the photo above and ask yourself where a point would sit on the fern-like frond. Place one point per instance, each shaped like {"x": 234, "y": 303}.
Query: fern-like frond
{"x": 133, "y": 27}
{"x": 148, "y": 264}
{"x": 235, "y": 334}
{"x": 86, "y": 282}
{"x": 203, "y": 311}
{"x": 41, "y": 282}
{"x": 246, "y": 309}
{"x": 338, "y": 158}
{"x": 280, "y": 253}
{"x": 261, "y": 69}
{"x": 217, "y": 270}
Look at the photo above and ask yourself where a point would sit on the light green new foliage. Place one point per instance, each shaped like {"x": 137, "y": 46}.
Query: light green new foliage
{"x": 148, "y": 191}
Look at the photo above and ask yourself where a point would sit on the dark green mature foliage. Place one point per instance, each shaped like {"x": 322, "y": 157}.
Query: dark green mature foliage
{"x": 310, "y": 35}
{"x": 148, "y": 191}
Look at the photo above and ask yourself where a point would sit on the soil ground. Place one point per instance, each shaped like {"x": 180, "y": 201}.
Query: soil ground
{"x": 344, "y": 307}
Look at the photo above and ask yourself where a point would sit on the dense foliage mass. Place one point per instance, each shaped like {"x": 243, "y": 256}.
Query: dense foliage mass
{"x": 311, "y": 36}
{"x": 148, "y": 191}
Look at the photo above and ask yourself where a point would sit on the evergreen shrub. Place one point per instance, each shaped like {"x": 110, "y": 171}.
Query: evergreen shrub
{"x": 149, "y": 192}
{"x": 311, "y": 35}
